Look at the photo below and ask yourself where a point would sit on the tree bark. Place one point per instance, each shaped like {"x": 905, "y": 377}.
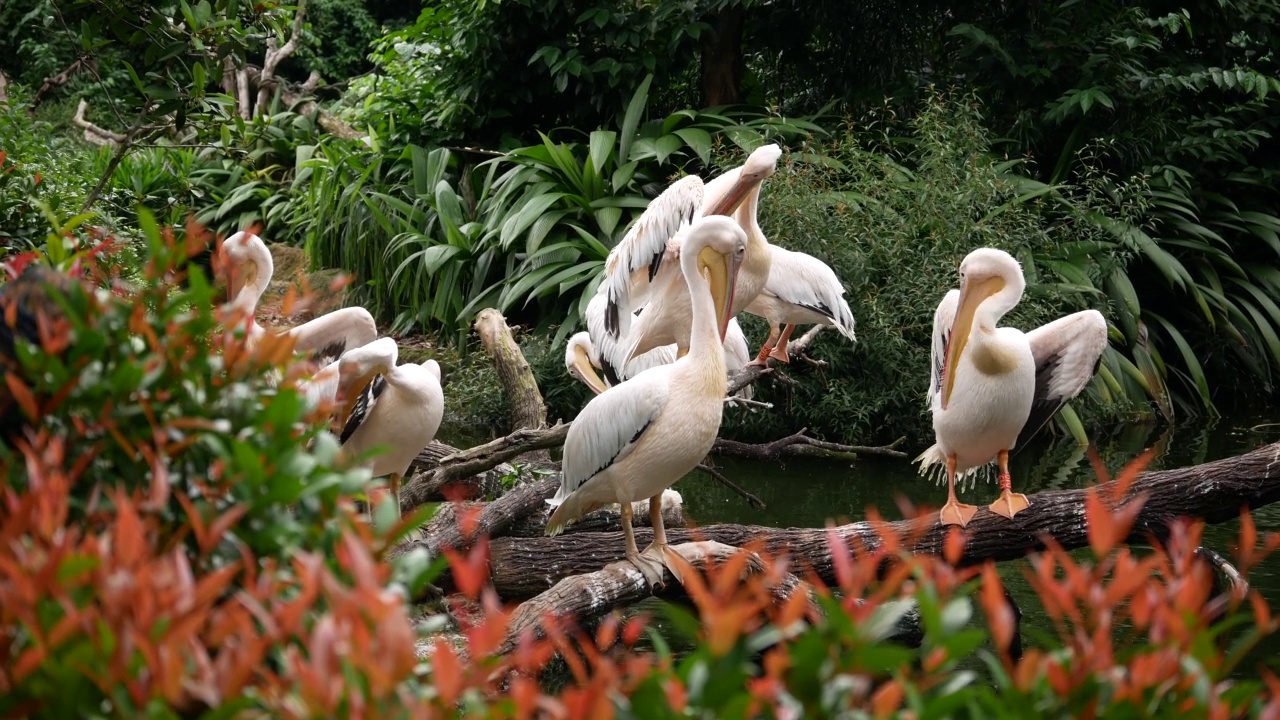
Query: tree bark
{"x": 722, "y": 64}
{"x": 1216, "y": 492}
{"x": 527, "y": 409}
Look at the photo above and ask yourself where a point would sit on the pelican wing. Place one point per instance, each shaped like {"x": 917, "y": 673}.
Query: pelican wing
{"x": 609, "y": 427}
{"x": 805, "y": 281}
{"x": 345, "y": 328}
{"x": 737, "y": 355}
{"x": 365, "y": 403}
{"x": 943, "y": 318}
{"x": 1067, "y": 352}
{"x": 636, "y": 260}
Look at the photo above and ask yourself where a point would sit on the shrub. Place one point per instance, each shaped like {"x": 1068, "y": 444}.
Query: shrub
{"x": 177, "y": 538}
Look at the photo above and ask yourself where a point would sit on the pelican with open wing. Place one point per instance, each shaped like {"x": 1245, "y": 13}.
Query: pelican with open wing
{"x": 993, "y": 388}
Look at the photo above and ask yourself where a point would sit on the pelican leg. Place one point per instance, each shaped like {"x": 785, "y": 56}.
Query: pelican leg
{"x": 954, "y": 512}
{"x": 395, "y": 491}
{"x": 659, "y": 550}
{"x": 779, "y": 352}
{"x": 1009, "y": 503}
{"x": 767, "y": 348}
{"x": 648, "y": 567}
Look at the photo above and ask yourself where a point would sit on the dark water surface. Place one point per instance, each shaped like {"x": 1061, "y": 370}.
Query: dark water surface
{"x": 807, "y": 492}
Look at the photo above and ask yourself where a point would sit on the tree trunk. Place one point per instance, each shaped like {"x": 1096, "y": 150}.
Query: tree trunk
{"x": 527, "y": 409}
{"x": 722, "y": 63}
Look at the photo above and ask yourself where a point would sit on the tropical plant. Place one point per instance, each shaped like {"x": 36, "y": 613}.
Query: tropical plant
{"x": 1185, "y": 104}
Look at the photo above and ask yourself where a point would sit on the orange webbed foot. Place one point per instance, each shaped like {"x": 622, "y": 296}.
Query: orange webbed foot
{"x": 1009, "y": 504}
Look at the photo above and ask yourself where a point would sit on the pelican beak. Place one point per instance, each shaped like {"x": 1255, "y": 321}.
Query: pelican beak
{"x": 762, "y": 163}
{"x": 583, "y": 370}
{"x": 722, "y": 276}
{"x": 972, "y": 295}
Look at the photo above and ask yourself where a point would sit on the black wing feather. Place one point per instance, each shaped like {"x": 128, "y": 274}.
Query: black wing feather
{"x": 364, "y": 405}
{"x": 1043, "y": 408}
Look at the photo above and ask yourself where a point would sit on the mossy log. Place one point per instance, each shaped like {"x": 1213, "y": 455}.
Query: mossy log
{"x": 527, "y": 409}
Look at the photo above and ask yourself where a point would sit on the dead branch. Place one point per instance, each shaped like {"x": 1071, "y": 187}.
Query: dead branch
{"x": 53, "y": 82}
{"x": 1216, "y": 492}
{"x": 798, "y": 444}
{"x": 752, "y": 373}
{"x": 719, "y": 477}
{"x": 95, "y": 134}
{"x": 4, "y": 84}
{"x": 586, "y": 597}
{"x": 276, "y": 54}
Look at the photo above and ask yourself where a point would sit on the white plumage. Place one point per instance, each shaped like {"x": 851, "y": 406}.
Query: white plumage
{"x": 639, "y": 274}
{"x": 638, "y": 438}
{"x": 801, "y": 289}
{"x": 991, "y": 389}
{"x": 250, "y": 268}
{"x": 397, "y": 408}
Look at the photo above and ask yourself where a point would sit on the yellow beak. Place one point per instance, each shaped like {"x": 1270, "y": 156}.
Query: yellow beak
{"x": 743, "y": 186}
{"x": 972, "y": 295}
{"x": 586, "y": 373}
{"x": 722, "y": 276}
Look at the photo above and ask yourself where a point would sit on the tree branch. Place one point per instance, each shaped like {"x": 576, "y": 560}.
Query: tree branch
{"x": 798, "y": 444}
{"x": 752, "y": 373}
{"x": 54, "y": 82}
{"x": 121, "y": 147}
{"x": 1216, "y": 492}
{"x": 275, "y": 55}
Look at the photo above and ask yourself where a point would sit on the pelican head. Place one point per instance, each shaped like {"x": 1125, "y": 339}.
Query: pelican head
{"x": 577, "y": 359}
{"x": 719, "y": 245}
{"x": 984, "y": 273}
{"x": 357, "y": 368}
{"x": 248, "y": 261}
{"x": 762, "y": 163}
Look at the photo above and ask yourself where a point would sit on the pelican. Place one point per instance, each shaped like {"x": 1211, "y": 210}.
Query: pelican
{"x": 583, "y": 362}
{"x": 638, "y": 272}
{"x": 398, "y": 407}
{"x": 328, "y": 336}
{"x": 993, "y": 388}
{"x": 635, "y": 440}
{"x": 800, "y": 289}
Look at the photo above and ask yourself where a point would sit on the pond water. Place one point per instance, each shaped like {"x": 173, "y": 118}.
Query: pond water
{"x": 807, "y": 492}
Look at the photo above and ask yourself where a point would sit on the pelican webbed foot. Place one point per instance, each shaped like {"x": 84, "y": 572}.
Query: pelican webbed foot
{"x": 667, "y": 558}
{"x": 1009, "y": 504}
{"x": 955, "y": 513}
{"x": 650, "y": 566}
{"x": 779, "y": 351}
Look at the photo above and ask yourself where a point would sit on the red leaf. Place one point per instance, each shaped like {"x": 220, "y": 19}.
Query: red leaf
{"x": 887, "y": 699}
{"x": 127, "y": 539}
{"x": 22, "y": 394}
{"x": 1098, "y": 521}
{"x": 447, "y": 672}
{"x": 994, "y": 603}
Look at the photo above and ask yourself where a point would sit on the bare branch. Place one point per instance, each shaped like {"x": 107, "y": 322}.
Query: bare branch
{"x": 752, "y": 373}
{"x": 96, "y": 134}
{"x": 275, "y": 55}
{"x": 54, "y": 82}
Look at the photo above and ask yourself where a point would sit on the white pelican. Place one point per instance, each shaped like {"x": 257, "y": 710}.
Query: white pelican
{"x": 993, "y": 388}
{"x": 396, "y": 407}
{"x": 638, "y": 438}
{"x": 582, "y": 361}
{"x": 800, "y": 289}
{"x": 637, "y": 272}
{"x": 249, "y": 272}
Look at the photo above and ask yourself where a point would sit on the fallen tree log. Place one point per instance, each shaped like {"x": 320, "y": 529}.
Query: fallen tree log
{"x": 527, "y": 408}
{"x": 521, "y": 568}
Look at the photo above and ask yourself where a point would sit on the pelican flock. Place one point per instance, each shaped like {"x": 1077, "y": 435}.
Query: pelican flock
{"x": 991, "y": 389}
{"x": 635, "y": 440}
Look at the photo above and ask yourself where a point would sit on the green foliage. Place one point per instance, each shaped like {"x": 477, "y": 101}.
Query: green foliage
{"x": 178, "y": 535}
{"x": 1188, "y": 103}
{"x": 337, "y": 39}
{"x": 42, "y": 175}
{"x": 435, "y": 240}
{"x": 920, "y": 195}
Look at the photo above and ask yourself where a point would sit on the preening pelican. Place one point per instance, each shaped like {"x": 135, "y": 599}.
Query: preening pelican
{"x": 993, "y": 388}
{"x": 800, "y": 289}
{"x": 250, "y": 268}
{"x": 395, "y": 407}
{"x": 639, "y": 273}
{"x": 582, "y": 361}
{"x": 637, "y": 439}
